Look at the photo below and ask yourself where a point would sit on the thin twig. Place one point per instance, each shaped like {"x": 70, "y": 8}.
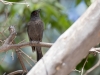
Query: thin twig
{"x": 28, "y": 56}
{"x": 27, "y": 61}
{"x": 16, "y": 72}
{"x": 1, "y": 41}
{"x": 84, "y": 65}
{"x": 12, "y": 35}
{"x": 22, "y": 41}
{"x": 3, "y": 34}
{"x": 77, "y": 70}
{"x": 94, "y": 67}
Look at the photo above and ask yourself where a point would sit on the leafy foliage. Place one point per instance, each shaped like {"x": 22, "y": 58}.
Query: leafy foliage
{"x": 87, "y": 2}
{"x": 78, "y": 2}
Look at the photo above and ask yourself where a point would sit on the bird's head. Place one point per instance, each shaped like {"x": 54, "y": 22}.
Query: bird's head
{"x": 35, "y": 13}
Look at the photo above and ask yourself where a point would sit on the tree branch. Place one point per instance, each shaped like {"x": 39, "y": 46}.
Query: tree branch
{"x": 21, "y": 45}
{"x": 11, "y": 37}
{"x": 18, "y": 52}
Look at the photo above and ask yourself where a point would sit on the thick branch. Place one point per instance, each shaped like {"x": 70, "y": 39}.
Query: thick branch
{"x": 72, "y": 46}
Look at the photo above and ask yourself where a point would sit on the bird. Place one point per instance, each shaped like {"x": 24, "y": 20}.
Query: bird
{"x": 35, "y": 29}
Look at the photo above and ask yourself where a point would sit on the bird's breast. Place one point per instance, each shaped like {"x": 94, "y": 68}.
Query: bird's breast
{"x": 35, "y": 29}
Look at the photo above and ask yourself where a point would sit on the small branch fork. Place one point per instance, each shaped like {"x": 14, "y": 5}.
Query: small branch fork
{"x": 10, "y": 44}
{"x": 9, "y": 41}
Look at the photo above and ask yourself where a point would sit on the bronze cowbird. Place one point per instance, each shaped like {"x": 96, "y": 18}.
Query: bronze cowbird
{"x": 35, "y": 29}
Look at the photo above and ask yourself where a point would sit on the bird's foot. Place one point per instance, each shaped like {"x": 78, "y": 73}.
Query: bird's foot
{"x": 38, "y": 41}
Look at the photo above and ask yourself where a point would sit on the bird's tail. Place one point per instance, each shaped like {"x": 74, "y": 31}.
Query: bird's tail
{"x": 33, "y": 48}
{"x": 39, "y": 53}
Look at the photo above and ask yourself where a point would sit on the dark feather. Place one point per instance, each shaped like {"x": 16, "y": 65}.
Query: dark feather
{"x": 35, "y": 32}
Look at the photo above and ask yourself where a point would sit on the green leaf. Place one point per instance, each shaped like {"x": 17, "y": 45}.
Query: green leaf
{"x": 88, "y": 2}
{"x": 13, "y": 0}
{"x": 78, "y": 2}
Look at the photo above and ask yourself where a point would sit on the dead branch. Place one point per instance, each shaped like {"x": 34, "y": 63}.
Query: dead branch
{"x": 11, "y": 37}
{"x": 21, "y": 45}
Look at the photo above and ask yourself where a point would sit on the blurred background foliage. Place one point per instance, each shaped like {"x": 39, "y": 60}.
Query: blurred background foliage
{"x": 58, "y": 16}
